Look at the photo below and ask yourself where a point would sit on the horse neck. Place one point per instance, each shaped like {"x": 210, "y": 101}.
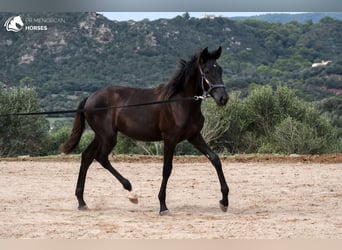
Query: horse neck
{"x": 192, "y": 85}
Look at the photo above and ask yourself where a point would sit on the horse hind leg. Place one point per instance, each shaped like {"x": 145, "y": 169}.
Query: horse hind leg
{"x": 88, "y": 156}
{"x": 102, "y": 158}
{"x": 125, "y": 182}
{"x": 106, "y": 164}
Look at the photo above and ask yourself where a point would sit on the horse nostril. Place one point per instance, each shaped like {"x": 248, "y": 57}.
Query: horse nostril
{"x": 223, "y": 100}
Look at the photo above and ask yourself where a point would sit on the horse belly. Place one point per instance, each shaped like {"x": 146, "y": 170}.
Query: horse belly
{"x": 146, "y": 136}
{"x": 139, "y": 126}
{"x": 143, "y": 135}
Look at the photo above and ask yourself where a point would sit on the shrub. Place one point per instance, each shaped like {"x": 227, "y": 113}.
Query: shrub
{"x": 268, "y": 121}
{"x": 56, "y": 138}
{"x": 262, "y": 110}
{"x": 21, "y": 135}
{"x": 292, "y": 136}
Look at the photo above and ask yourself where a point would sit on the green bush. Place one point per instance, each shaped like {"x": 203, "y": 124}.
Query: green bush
{"x": 273, "y": 121}
{"x": 227, "y": 125}
{"x": 262, "y": 110}
{"x": 21, "y": 135}
{"x": 292, "y": 136}
{"x": 56, "y": 138}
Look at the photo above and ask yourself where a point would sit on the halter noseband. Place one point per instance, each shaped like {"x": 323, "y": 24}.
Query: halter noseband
{"x": 206, "y": 93}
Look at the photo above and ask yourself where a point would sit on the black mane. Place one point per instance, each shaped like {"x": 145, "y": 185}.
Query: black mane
{"x": 176, "y": 84}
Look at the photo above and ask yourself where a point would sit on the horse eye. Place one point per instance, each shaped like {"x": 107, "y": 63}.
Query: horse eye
{"x": 214, "y": 65}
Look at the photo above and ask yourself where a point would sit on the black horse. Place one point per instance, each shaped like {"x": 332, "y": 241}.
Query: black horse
{"x": 172, "y": 121}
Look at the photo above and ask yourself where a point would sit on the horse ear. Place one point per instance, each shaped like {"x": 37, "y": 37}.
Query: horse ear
{"x": 204, "y": 55}
{"x": 218, "y": 53}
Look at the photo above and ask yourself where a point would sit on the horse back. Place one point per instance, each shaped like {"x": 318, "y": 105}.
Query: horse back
{"x": 141, "y": 122}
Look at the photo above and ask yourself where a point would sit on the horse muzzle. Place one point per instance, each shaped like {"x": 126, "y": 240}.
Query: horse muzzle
{"x": 220, "y": 96}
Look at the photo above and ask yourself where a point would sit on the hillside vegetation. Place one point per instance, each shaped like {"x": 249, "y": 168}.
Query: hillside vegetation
{"x": 88, "y": 51}
{"x": 285, "y": 17}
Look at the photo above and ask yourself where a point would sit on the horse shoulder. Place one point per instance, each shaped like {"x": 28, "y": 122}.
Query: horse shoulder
{"x": 185, "y": 120}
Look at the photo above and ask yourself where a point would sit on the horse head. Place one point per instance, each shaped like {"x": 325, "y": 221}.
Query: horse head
{"x": 211, "y": 75}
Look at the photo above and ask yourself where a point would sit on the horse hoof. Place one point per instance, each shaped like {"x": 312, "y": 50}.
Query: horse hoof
{"x": 83, "y": 208}
{"x": 133, "y": 198}
{"x": 223, "y": 207}
{"x": 165, "y": 212}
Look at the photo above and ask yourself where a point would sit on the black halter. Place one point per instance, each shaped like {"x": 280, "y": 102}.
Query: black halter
{"x": 206, "y": 93}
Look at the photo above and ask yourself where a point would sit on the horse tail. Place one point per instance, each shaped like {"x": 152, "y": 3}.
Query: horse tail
{"x": 77, "y": 130}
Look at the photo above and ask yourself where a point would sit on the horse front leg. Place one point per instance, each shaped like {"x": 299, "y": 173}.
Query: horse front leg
{"x": 202, "y": 146}
{"x": 169, "y": 149}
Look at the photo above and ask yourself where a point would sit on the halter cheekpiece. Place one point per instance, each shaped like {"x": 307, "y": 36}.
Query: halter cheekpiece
{"x": 206, "y": 93}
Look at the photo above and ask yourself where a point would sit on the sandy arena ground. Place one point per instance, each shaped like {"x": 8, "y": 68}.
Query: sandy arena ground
{"x": 285, "y": 198}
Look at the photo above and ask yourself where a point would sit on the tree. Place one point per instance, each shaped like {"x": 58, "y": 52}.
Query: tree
{"x": 186, "y": 15}
{"x": 21, "y": 135}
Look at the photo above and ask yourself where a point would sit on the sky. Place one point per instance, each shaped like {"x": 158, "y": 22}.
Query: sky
{"x": 138, "y": 16}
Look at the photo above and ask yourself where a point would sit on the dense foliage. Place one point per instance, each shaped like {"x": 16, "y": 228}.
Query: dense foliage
{"x": 299, "y": 17}
{"x": 21, "y": 135}
{"x": 88, "y": 51}
{"x": 275, "y": 121}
